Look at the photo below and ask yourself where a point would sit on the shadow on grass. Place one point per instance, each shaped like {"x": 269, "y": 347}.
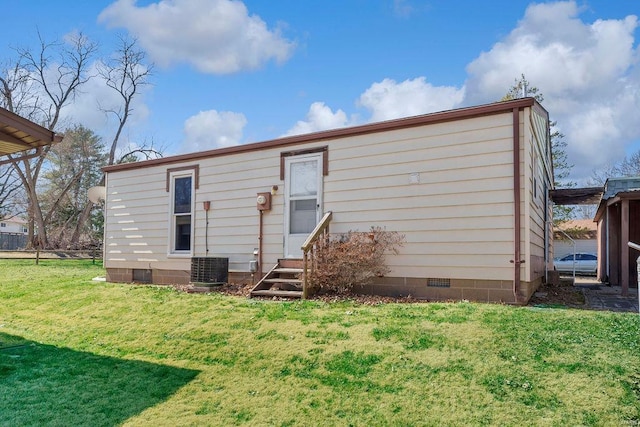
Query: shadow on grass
{"x": 46, "y": 385}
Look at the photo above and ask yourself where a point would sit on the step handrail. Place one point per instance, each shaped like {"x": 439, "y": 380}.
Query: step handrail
{"x": 308, "y": 246}
{"x": 636, "y": 246}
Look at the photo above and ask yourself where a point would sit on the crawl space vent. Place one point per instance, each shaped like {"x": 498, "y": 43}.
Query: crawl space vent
{"x": 142, "y": 275}
{"x": 439, "y": 283}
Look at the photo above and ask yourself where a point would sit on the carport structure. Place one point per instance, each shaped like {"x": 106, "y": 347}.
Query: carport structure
{"x": 19, "y": 135}
{"x": 618, "y": 219}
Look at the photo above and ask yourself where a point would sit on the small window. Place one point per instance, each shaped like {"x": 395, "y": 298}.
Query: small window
{"x": 181, "y": 212}
{"x": 3, "y": 224}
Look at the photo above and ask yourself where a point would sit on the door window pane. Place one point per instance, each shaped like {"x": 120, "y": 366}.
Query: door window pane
{"x": 304, "y": 178}
{"x": 303, "y": 216}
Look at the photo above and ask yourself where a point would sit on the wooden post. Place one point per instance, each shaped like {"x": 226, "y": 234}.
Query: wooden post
{"x": 613, "y": 244}
{"x": 304, "y": 275}
{"x": 603, "y": 236}
{"x": 624, "y": 246}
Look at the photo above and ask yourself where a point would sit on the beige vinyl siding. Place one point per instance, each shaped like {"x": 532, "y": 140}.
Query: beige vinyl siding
{"x": 137, "y": 220}
{"x": 231, "y": 183}
{"x": 535, "y": 174}
{"x": 458, "y": 220}
{"x": 139, "y": 217}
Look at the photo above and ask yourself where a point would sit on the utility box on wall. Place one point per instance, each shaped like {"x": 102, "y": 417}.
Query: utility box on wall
{"x": 264, "y": 201}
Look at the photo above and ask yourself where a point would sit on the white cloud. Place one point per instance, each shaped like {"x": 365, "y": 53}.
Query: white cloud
{"x": 588, "y": 73}
{"x": 320, "y": 117}
{"x": 390, "y": 100}
{"x": 212, "y": 129}
{"x": 215, "y": 36}
{"x": 385, "y": 100}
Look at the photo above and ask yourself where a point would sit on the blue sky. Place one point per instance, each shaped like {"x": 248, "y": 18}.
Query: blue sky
{"x": 228, "y": 73}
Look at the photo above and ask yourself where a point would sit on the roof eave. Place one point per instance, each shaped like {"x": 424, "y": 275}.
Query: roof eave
{"x": 402, "y": 123}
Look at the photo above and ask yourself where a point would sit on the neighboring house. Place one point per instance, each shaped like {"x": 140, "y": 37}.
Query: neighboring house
{"x": 583, "y": 238}
{"x": 13, "y": 233}
{"x": 467, "y": 187}
{"x": 618, "y": 219}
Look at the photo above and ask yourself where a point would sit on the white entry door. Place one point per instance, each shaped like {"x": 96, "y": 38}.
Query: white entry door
{"x": 303, "y": 200}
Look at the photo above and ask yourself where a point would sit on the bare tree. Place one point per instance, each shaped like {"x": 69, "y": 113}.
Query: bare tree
{"x": 15, "y": 96}
{"x": 628, "y": 166}
{"x": 126, "y": 73}
{"x": 15, "y": 90}
{"x": 42, "y": 83}
{"x": 9, "y": 191}
{"x": 37, "y": 86}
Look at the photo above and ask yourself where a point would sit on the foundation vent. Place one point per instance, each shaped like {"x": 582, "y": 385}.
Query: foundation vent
{"x": 208, "y": 270}
{"x": 141, "y": 276}
{"x": 439, "y": 283}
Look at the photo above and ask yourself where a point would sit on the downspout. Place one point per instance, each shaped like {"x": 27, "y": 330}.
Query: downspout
{"x": 547, "y": 224}
{"x": 260, "y": 231}
{"x": 516, "y": 201}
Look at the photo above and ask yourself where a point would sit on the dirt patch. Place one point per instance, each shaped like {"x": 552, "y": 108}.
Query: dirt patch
{"x": 563, "y": 294}
{"x": 244, "y": 289}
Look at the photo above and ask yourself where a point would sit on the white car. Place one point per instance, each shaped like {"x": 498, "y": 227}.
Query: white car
{"x": 584, "y": 263}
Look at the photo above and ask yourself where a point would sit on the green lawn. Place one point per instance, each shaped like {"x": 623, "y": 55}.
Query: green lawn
{"x": 77, "y": 352}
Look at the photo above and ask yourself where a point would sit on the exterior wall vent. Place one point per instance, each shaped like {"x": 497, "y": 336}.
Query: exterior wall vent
{"x": 211, "y": 271}
{"x": 141, "y": 275}
{"x": 439, "y": 283}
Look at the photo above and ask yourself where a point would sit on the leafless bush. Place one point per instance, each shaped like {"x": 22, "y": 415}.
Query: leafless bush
{"x": 353, "y": 259}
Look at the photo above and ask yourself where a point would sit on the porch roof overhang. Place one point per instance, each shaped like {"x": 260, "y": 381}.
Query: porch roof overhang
{"x": 19, "y": 135}
{"x": 617, "y": 198}
{"x": 577, "y": 196}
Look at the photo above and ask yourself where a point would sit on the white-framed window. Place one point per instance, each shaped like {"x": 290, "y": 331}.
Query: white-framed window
{"x": 3, "y": 224}
{"x": 181, "y": 210}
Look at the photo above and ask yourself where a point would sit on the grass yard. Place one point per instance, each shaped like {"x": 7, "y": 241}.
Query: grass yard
{"x": 77, "y": 352}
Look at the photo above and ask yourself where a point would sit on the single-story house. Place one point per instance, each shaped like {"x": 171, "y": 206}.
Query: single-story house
{"x": 13, "y": 225}
{"x": 467, "y": 187}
